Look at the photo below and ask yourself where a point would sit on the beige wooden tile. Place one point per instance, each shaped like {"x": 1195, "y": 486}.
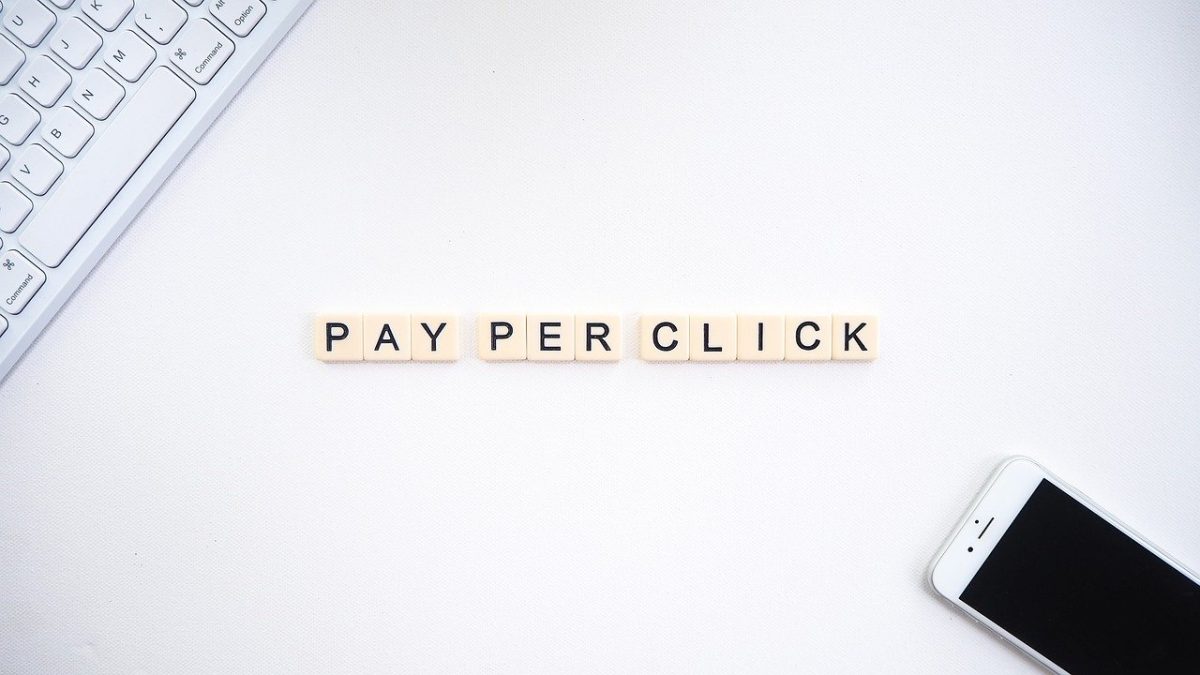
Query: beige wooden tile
{"x": 713, "y": 337}
{"x": 807, "y": 337}
{"x": 856, "y": 337}
{"x": 597, "y": 337}
{"x": 337, "y": 337}
{"x": 550, "y": 337}
{"x": 385, "y": 337}
{"x": 434, "y": 337}
{"x": 760, "y": 337}
{"x": 663, "y": 337}
{"x": 501, "y": 337}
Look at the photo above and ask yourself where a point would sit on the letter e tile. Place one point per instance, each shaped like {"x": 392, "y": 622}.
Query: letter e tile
{"x": 550, "y": 337}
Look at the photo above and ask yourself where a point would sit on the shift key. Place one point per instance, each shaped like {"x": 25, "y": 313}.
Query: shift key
{"x": 201, "y": 50}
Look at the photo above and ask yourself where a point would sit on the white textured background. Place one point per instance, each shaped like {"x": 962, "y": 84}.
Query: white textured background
{"x": 1015, "y": 189}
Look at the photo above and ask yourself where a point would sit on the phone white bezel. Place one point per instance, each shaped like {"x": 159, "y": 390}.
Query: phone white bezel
{"x": 997, "y": 504}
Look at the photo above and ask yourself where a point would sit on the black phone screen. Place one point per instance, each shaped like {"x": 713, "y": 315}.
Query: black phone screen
{"x": 1085, "y": 595}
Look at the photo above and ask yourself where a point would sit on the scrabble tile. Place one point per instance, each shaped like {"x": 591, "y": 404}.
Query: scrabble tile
{"x": 856, "y": 337}
{"x": 501, "y": 337}
{"x": 550, "y": 337}
{"x": 663, "y": 337}
{"x": 807, "y": 337}
{"x": 434, "y": 337}
{"x": 597, "y": 337}
{"x": 385, "y": 337}
{"x": 713, "y": 337}
{"x": 338, "y": 337}
{"x": 760, "y": 337}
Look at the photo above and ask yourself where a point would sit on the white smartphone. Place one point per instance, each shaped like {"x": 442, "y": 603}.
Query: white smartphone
{"x": 1064, "y": 581}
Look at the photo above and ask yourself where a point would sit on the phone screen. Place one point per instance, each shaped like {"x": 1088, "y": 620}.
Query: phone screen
{"x": 1085, "y": 595}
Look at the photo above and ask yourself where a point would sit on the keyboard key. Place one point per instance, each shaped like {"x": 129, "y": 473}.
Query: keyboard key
{"x": 129, "y": 55}
{"x": 62, "y": 4}
{"x": 17, "y": 119}
{"x": 67, "y": 132}
{"x": 194, "y": 3}
{"x": 19, "y": 281}
{"x": 239, "y": 16}
{"x": 107, "y": 166}
{"x": 11, "y": 60}
{"x": 30, "y": 21}
{"x": 3, "y": 325}
{"x": 99, "y": 94}
{"x": 76, "y": 43}
{"x": 14, "y": 207}
{"x": 4, "y": 156}
{"x": 44, "y": 81}
{"x": 161, "y": 19}
{"x": 201, "y": 50}
{"x": 108, "y": 13}
{"x": 37, "y": 169}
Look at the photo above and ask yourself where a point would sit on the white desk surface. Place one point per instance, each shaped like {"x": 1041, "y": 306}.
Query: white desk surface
{"x": 1014, "y": 188}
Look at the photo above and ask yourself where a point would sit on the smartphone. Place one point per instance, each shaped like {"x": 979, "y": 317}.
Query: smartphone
{"x": 1049, "y": 571}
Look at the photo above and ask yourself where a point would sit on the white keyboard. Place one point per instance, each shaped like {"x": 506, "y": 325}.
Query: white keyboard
{"x": 99, "y": 101}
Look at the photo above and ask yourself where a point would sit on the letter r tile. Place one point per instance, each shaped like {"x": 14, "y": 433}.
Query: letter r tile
{"x": 598, "y": 337}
